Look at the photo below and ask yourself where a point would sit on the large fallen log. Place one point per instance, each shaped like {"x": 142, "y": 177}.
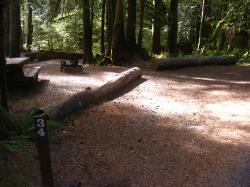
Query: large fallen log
{"x": 47, "y": 55}
{"x": 87, "y": 97}
{"x": 175, "y": 63}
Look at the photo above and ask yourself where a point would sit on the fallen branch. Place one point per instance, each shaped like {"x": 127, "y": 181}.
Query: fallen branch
{"x": 84, "y": 99}
{"x": 175, "y": 63}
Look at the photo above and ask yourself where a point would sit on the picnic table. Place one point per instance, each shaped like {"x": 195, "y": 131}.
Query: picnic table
{"x": 17, "y": 71}
{"x": 71, "y": 63}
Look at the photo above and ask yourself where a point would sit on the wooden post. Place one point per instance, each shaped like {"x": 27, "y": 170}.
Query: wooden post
{"x": 43, "y": 148}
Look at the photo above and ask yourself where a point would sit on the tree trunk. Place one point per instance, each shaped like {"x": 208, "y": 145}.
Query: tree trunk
{"x": 117, "y": 32}
{"x": 205, "y": 26}
{"x": 156, "y": 29}
{"x": 87, "y": 33}
{"x": 102, "y": 26}
{"x": 7, "y": 29}
{"x": 221, "y": 40}
{"x": 131, "y": 23}
{"x": 172, "y": 27}
{"x": 30, "y": 26}
{"x": 110, "y": 16}
{"x": 3, "y": 92}
{"x": 92, "y": 13}
{"x": 15, "y": 28}
{"x": 175, "y": 63}
{"x": 140, "y": 34}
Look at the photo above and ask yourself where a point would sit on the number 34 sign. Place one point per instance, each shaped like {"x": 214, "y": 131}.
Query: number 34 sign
{"x": 40, "y": 125}
{"x": 43, "y": 148}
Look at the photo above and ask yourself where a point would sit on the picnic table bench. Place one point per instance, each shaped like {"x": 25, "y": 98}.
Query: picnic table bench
{"x": 17, "y": 71}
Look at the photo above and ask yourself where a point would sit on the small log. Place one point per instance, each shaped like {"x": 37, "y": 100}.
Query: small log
{"x": 47, "y": 55}
{"x": 87, "y": 97}
{"x": 175, "y": 63}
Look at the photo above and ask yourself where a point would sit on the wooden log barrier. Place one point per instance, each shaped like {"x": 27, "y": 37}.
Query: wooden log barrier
{"x": 183, "y": 62}
{"x": 87, "y": 97}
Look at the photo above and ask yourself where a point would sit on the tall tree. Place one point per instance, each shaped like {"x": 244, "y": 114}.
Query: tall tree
{"x": 203, "y": 30}
{"x": 110, "y": 17}
{"x": 87, "y": 33}
{"x": 156, "y": 28}
{"x": 15, "y": 28}
{"x": 140, "y": 34}
{"x": 131, "y": 23}
{"x": 3, "y": 92}
{"x": 7, "y": 29}
{"x": 30, "y": 25}
{"x": 222, "y": 34}
{"x": 172, "y": 27}
{"x": 102, "y": 26}
{"x": 115, "y": 46}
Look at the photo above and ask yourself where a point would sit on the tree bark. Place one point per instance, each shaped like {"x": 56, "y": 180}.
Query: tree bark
{"x": 172, "y": 27}
{"x": 3, "y": 93}
{"x": 87, "y": 33}
{"x": 15, "y": 28}
{"x": 102, "y": 26}
{"x": 115, "y": 49}
{"x": 176, "y": 63}
{"x": 156, "y": 29}
{"x": 110, "y": 17}
{"x": 201, "y": 24}
{"x": 7, "y": 29}
{"x": 205, "y": 27}
{"x": 84, "y": 99}
{"x": 30, "y": 26}
{"x": 140, "y": 34}
{"x": 131, "y": 23}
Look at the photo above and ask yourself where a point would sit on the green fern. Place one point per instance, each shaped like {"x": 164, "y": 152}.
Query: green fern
{"x": 9, "y": 124}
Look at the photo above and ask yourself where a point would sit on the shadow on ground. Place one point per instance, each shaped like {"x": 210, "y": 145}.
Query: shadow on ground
{"x": 119, "y": 145}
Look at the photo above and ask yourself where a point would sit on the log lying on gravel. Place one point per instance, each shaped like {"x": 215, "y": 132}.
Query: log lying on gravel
{"x": 175, "y": 63}
{"x": 87, "y": 97}
{"x": 47, "y": 55}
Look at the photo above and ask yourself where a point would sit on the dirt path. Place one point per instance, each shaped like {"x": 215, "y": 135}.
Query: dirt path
{"x": 188, "y": 127}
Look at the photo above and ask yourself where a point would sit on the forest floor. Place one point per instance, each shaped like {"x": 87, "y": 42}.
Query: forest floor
{"x": 186, "y": 127}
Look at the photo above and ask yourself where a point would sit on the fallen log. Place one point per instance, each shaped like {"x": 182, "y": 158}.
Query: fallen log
{"x": 175, "y": 63}
{"x": 47, "y": 55}
{"x": 87, "y": 97}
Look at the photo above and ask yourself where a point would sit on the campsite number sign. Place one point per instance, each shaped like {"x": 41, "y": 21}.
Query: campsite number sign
{"x": 40, "y": 124}
{"x": 43, "y": 148}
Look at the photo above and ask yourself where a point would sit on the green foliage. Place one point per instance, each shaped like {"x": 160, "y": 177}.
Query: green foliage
{"x": 242, "y": 54}
{"x": 14, "y": 143}
{"x": 26, "y": 130}
{"x": 9, "y": 125}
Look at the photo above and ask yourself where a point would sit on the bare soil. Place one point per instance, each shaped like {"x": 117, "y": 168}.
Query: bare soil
{"x": 187, "y": 127}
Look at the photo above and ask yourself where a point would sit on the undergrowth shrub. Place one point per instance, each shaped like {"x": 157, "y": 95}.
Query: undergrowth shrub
{"x": 16, "y": 133}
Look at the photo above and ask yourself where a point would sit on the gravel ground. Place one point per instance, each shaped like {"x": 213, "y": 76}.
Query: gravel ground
{"x": 188, "y": 127}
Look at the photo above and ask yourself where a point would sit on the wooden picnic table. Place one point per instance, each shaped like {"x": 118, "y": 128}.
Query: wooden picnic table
{"x": 16, "y": 70}
{"x": 17, "y": 61}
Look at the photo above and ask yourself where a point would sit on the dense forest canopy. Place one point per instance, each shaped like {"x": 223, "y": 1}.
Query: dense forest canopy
{"x": 162, "y": 25}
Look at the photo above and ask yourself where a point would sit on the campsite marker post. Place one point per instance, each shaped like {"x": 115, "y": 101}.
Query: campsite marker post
{"x": 43, "y": 148}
